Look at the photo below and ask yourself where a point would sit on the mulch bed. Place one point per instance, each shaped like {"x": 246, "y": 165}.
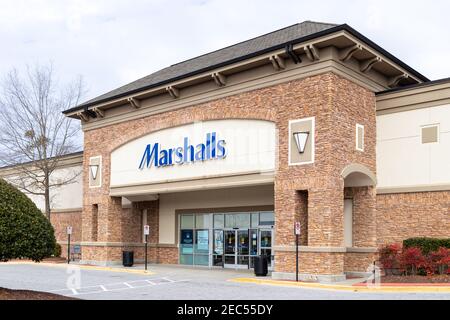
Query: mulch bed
{"x": 8, "y": 294}
{"x": 46, "y": 260}
{"x": 416, "y": 279}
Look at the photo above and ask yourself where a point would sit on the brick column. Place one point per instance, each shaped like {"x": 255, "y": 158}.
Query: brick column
{"x": 326, "y": 216}
{"x": 320, "y": 210}
{"x": 364, "y": 217}
{"x": 87, "y": 222}
{"x": 109, "y": 220}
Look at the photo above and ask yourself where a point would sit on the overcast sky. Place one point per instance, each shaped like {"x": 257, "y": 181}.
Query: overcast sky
{"x": 113, "y": 42}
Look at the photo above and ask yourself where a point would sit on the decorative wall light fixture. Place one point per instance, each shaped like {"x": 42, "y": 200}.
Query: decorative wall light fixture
{"x": 301, "y": 138}
{"x": 94, "y": 170}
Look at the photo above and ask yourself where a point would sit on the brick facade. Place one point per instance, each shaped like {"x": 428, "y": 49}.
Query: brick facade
{"x": 60, "y": 221}
{"x": 313, "y": 194}
{"x": 402, "y": 216}
{"x": 337, "y": 105}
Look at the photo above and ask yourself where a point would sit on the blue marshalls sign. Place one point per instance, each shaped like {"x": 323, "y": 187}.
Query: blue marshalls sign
{"x": 156, "y": 155}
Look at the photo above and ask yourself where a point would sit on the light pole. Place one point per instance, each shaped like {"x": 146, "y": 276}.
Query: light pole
{"x": 69, "y": 233}
{"x": 146, "y": 233}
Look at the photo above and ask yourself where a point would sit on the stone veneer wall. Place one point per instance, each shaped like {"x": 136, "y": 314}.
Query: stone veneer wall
{"x": 337, "y": 105}
{"x": 364, "y": 216}
{"x": 406, "y": 215}
{"x": 402, "y": 216}
{"x": 60, "y": 221}
{"x": 359, "y": 262}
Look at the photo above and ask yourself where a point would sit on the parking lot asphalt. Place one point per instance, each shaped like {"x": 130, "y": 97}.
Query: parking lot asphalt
{"x": 170, "y": 283}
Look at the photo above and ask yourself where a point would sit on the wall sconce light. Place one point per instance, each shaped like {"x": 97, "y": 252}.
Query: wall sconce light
{"x": 94, "y": 170}
{"x": 301, "y": 138}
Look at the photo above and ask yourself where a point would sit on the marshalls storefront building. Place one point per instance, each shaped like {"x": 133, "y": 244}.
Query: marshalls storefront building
{"x": 221, "y": 154}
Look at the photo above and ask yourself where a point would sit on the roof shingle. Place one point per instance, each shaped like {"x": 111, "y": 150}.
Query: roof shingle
{"x": 220, "y": 56}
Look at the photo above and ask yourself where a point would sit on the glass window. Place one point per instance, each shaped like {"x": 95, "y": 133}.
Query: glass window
{"x": 218, "y": 242}
{"x": 202, "y": 221}
{"x": 202, "y": 241}
{"x": 242, "y": 220}
{"x": 201, "y": 260}
{"x": 218, "y": 221}
{"x": 186, "y": 241}
{"x": 255, "y": 220}
{"x": 218, "y": 261}
{"x": 187, "y": 221}
{"x": 266, "y": 219}
{"x": 186, "y": 246}
{"x": 187, "y": 259}
{"x": 229, "y": 221}
{"x": 266, "y": 239}
{"x": 253, "y": 242}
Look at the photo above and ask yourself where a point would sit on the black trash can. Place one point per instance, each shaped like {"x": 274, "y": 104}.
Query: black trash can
{"x": 260, "y": 266}
{"x": 128, "y": 258}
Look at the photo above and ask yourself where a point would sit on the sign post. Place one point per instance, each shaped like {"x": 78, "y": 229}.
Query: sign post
{"x": 69, "y": 233}
{"x": 297, "y": 231}
{"x": 146, "y": 233}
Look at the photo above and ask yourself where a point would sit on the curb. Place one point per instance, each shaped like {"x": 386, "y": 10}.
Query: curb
{"x": 85, "y": 267}
{"x": 381, "y": 289}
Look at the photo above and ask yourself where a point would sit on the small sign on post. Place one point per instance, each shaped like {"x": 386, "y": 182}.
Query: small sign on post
{"x": 146, "y": 234}
{"x": 297, "y": 229}
{"x": 69, "y": 233}
{"x": 297, "y": 232}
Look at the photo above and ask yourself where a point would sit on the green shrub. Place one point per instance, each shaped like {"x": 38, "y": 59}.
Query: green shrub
{"x": 427, "y": 245}
{"x": 24, "y": 231}
{"x": 57, "y": 252}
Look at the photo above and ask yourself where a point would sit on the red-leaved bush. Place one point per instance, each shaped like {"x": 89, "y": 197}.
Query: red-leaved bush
{"x": 389, "y": 257}
{"x": 440, "y": 261}
{"x": 411, "y": 259}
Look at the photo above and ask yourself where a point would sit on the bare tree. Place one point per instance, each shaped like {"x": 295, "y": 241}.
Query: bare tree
{"x": 34, "y": 134}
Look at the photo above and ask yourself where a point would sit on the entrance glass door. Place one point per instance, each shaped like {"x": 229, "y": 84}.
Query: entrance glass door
{"x": 242, "y": 249}
{"x": 230, "y": 248}
{"x": 265, "y": 245}
{"x": 237, "y": 249}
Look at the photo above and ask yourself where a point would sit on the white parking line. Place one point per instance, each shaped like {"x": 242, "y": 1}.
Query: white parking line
{"x": 128, "y": 285}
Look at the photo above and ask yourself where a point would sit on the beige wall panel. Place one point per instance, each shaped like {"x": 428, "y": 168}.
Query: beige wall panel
{"x": 401, "y": 125}
{"x": 440, "y": 160}
{"x": 402, "y": 159}
{"x": 441, "y": 115}
{"x": 69, "y": 196}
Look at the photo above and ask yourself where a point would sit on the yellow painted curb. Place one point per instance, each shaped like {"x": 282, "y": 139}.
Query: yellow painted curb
{"x": 84, "y": 267}
{"x": 380, "y": 289}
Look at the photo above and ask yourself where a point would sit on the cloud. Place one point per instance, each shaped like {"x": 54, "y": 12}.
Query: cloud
{"x": 113, "y": 43}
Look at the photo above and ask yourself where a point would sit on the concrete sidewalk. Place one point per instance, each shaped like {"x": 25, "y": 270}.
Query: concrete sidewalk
{"x": 354, "y": 285}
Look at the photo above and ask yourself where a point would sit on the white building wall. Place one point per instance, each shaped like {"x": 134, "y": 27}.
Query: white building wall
{"x": 66, "y": 197}
{"x": 402, "y": 159}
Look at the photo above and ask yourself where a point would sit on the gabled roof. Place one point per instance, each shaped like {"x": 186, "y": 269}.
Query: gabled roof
{"x": 244, "y": 50}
